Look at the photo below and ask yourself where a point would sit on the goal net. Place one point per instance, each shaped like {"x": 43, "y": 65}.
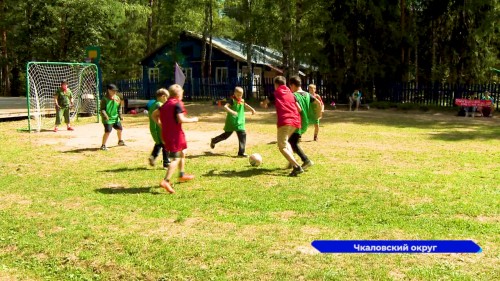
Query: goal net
{"x": 44, "y": 79}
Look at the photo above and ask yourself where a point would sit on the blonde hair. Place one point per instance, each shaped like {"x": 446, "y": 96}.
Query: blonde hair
{"x": 312, "y": 86}
{"x": 162, "y": 92}
{"x": 238, "y": 90}
{"x": 175, "y": 90}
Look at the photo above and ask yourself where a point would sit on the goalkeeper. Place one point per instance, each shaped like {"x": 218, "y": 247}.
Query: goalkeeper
{"x": 63, "y": 99}
{"x": 111, "y": 115}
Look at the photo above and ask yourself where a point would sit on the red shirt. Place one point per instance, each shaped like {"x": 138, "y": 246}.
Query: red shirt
{"x": 286, "y": 109}
{"x": 171, "y": 128}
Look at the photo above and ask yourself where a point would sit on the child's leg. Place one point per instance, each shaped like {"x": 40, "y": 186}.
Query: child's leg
{"x": 165, "y": 183}
{"x": 242, "y": 140}
{"x": 156, "y": 150}
{"x": 221, "y": 137}
{"x": 58, "y": 116}
{"x": 66, "y": 117}
{"x": 119, "y": 134}
{"x": 105, "y": 138}
{"x": 316, "y": 130}
{"x": 284, "y": 132}
{"x": 166, "y": 161}
{"x": 183, "y": 177}
{"x": 294, "y": 143}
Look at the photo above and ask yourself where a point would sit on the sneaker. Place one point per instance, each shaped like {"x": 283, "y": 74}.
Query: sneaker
{"x": 55, "y": 130}
{"x": 242, "y": 155}
{"x": 186, "y": 177}
{"x": 70, "y": 129}
{"x": 103, "y": 147}
{"x": 296, "y": 171}
{"x": 151, "y": 161}
{"x": 121, "y": 143}
{"x": 307, "y": 164}
{"x": 167, "y": 186}
{"x": 212, "y": 144}
{"x": 315, "y": 138}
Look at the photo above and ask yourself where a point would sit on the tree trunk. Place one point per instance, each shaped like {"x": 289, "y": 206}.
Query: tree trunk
{"x": 403, "y": 43}
{"x": 149, "y": 44}
{"x": 5, "y": 83}
{"x": 211, "y": 21}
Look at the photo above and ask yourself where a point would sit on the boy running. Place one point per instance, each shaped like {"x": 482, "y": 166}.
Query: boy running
{"x": 288, "y": 121}
{"x": 170, "y": 117}
{"x": 155, "y": 130}
{"x": 235, "y": 121}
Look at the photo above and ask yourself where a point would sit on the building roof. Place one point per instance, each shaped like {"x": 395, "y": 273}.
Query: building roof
{"x": 235, "y": 49}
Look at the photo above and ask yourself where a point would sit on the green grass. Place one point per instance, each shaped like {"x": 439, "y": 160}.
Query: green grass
{"x": 93, "y": 215}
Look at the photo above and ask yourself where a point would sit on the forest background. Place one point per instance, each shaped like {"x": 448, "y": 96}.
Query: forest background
{"x": 350, "y": 41}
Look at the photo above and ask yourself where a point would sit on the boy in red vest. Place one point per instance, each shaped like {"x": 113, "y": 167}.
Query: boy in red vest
{"x": 289, "y": 121}
{"x": 170, "y": 117}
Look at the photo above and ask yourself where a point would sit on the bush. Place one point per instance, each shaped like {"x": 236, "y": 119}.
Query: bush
{"x": 382, "y": 104}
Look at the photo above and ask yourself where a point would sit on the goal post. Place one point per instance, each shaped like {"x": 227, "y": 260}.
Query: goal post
{"x": 43, "y": 79}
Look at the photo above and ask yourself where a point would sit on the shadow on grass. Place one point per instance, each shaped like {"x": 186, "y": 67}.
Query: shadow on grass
{"x": 210, "y": 154}
{"x": 250, "y": 172}
{"x": 80, "y": 150}
{"x": 132, "y": 190}
{"x": 126, "y": 169}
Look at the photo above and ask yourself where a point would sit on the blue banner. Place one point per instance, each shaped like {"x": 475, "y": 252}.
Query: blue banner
{"x": 397, "y": 246}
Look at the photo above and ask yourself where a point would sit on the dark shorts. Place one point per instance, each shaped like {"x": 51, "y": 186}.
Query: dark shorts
{"x": 174, "y": 155}
{"x": 116, "y": 126}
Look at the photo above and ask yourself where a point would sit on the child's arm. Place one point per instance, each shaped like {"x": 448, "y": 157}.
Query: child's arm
{"x": 249, "y": 107}
{"x": 102, "y": 108}
{"x": 298, "y": 106}
{"x": 55, "y": 101}
{"x": 70, "y": 98}
{"x": 226, "y": 108}
{"x": 183, "y": 119}
{"x": 156, "y": 117}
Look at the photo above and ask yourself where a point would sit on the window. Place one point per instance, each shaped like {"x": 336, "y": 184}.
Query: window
{"x": 257, "y": 76}
{"x": 154, "y": 74}
{"x": 221, "y": 75}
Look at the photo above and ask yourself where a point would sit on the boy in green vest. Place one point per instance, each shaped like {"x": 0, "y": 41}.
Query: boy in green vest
{"x": 155, "y": 129}
{"x": 63, "y": 99}
{"x": 304, "y": 99}
{"x": 111, "y": 115}
{"x": 235, "y": 121}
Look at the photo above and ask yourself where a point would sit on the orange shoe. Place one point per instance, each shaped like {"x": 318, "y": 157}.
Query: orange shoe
{"x": 70, "y": 129}
{"x": 165, "y": 184}
{"x": 55, "y": 129}
{"x": 186, "y": 177}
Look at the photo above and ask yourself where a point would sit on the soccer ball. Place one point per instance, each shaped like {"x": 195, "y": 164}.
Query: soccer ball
{"x": 255, "y": 159}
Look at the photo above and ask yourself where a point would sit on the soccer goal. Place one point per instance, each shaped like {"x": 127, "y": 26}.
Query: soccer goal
{"x": 44, "y": 79}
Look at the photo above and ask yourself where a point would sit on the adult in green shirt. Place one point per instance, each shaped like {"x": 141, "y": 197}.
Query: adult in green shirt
{"x": 63, "y": 99}
{"x": 235, "y": 121}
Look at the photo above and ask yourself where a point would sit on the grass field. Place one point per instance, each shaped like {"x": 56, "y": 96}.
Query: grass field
{"x": 71, "y": 212}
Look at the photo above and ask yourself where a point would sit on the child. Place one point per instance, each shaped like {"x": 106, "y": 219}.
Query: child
{"x": 170, "y": 117}
{"x": 63, "y": 99}
{"x": 155, "y": 129}
{"x": 111, "y": 115}
{"x": 304, "y": 100}
{"x": 288, "y": 121}
{"x": 355, "y": 98}
{"x": 235, "y": 121}
{"x": 312, "y": 91}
